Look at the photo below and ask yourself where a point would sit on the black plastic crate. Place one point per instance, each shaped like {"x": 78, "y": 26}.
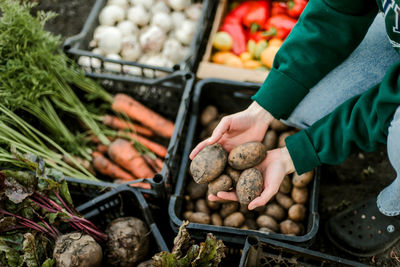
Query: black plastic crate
{"x": 78, "y": 45}
{"x": 168, "y": 96}
{"x": 268, "y": 252}
{"x": 122, "y": 202}
{"x": 230, "y": 97}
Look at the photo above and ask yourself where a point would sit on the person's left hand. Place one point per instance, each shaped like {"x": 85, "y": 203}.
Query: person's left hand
{"x": 274, "y": 167}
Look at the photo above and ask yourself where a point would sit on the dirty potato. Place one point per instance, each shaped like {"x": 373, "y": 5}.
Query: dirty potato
{"x": 302, "y": 180}
{"x": 222, "y": 183}
{"x": 234, "y": 220}
{"x": 300, "y": 194}
{"x": 198, "y": 217}
{"x": 216, "y": 219}
{"x": 275, "y": 211}
{"x": 201, "y": 206}
{"x": 282, "y": 137}
{"x": 228, "y": 208}
{"x": 267, "y": 221}
{"x": 247, "y": 155}
{"x": 208, "y": 164}
{"x": 286, "y": 185}
{"x": 297, "y": 212}
{"x": 234, "y": 174}
{"x": 270, "y": 139}
{"x": 196, "y": 190}
{"x": 278, "y": 126}
{"x": 284, "y": 200}
{"x": 249, "y": 186}
{"x": 289, "y": 227}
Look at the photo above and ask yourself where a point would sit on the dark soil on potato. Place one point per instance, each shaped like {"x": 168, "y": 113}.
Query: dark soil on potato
{"x": 361, "y": 176}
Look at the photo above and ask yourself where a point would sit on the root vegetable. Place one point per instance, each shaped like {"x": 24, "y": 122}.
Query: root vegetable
{"x": 77, "y": 249}
{"x": 275, "y": 211}
{"x": 110, "y": 169}
{"x": 251, "y": 224}
{"x": 208, "y": 164}
{"x": 201, "y": 206}
{"x": 283, "y": 200}
{"x": 213, "y": 205}
{"x": 286, "y": 185}
{"x": 110, "y": 15}
{"x": 189, "y": 206}
{"x": 270, "y": 139}
{"x": 288, "y": 227}
{"x": 216, "y": 219}
{"x": 297, "y": 212}
{"x": 125, "y": 155}
{"x": 267, "y": 221}
{"x": 128, "y": 241}
{"x": 137, "y": 111}
{"x": 302, "y": 180}
{"x": 235, "y": 219}
{"x": 300, "y": 194}
{"x": 120, "y": 124}
{"x": 199, "y": 217}
{"x": 196, "y": 190}
{"x": 249, "y": 186}
{"x": 247, "y": 155}
{"x": 154, "y": 147}
{"x": 222, "y": 183}
{"x": 209, "y": 114}
{"x": 228, "y": 208}
{"x": 266, "y": 230}
{"x": 278, "y": 126}
{"x": 282, "y": 137}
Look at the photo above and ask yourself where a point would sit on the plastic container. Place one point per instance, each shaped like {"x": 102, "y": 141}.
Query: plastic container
{"x": 78, "y": 45}
{"x": 123, "y": 202}
{"x": 168, "y": 96}
{"x": 268, "y": 252}
{"x": 229, "y": 97}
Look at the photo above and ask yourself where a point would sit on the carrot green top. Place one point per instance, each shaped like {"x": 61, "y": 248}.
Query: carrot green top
{"x": 326, "y": 33}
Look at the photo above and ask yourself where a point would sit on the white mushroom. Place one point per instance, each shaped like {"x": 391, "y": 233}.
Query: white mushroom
{"x": 160, "y": 7}
{"x": 111, "y": 15}
{"x": 131, "y": 49}
{"x": 122, "y": 3}
{"x": 172, "y": 50}
{"x": 178, "y": 4}
{"x": 152, "y": 40}
{"x": 87, "y": 63}
{"x": 162, "y": 20}
{"x": 109, "y": 40}
{"x": 145, "y": 3}
{"x": 112, "y": 66}
{"x": 186, "y": 32}
{"x": 193, "y": 12}
{"x": 177, "y": 18}
{"x": 127, "y": 28}
{"x": 138, "y": 15}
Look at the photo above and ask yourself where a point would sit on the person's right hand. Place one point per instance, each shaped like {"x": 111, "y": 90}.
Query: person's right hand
{"x": 248, "y": 125}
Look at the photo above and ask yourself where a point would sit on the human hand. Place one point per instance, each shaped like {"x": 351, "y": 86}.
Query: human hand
{"x": 248, "y": 125}
{"x": 274, "y": 167}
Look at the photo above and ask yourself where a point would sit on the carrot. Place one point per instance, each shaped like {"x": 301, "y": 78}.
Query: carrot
{"x": 152, "y": 163}
{"x": 125, "y": 155}
{"x": 139, "y": 184}
{"x": 159, "y": 162}
{"x": 117, "y": 123}
{"x": 106, "y": 167}
{"x": 103, "y": 149}
{"x": 156, "y": 148}
{"x": 136, "y": 111}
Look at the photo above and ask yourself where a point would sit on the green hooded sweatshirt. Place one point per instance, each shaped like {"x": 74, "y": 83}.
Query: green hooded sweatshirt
{"x": 326, "y": 33}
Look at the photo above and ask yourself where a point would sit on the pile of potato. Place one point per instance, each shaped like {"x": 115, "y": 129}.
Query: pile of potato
{"x": 285, "y": 213}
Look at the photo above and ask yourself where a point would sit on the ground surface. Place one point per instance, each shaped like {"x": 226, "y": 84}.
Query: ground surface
{"x": 361, "y": 176}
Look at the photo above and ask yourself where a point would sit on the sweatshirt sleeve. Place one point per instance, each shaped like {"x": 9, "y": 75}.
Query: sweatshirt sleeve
{"x": 361, "y": 122}
{"x": 326, "y": 33}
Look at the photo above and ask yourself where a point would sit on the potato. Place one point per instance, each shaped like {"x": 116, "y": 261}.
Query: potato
{"x": 244, "y": 209}
{"x": 211, "y": 126}
{"x": 302, "y": 180}
{"x": 201, "y": 206}
{"x": 234, "y": 174}
{"x": 216, "y": 219}
{"x": 267, "y": 221}
{"x": 199, "y": 217}
{"x": 244, "y": 227}
{"x": 278, "y": 126}
{"x": 282, "y": 137}
{"x": 222, "y": 183}
{"x": 297, "y": 212}
{"x": 300, "y": 194}
{"x": 189, "y": 206}
{"x": 235, "y": 219}
{"x": 270, "y": 139}
{"x": 196, "y": 190}
{"x": 246, "y": 155}
{"x": 249, "y": 186}
{"x": 213, "y": 205}
{"x": 228, "y": 208}
{"x": 208, "y": 164}
{"x": 251, "y": 224}
{"x": 286, "y": 185}
{"x": 209, "y": 114}
{"x": 289, "y": 227}
{"x": 77, "y": 249}
{"x": 266, "y": 230}
{"x": 284, "y": 200}
{"x": 187, "y": 214}
{"x": 275, "y": 211}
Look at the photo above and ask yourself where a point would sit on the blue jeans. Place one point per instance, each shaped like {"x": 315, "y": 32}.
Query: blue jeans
{"x": 364, "y": 68}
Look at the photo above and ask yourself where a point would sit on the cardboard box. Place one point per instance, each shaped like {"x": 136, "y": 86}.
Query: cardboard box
{"x": 208, "y": 69}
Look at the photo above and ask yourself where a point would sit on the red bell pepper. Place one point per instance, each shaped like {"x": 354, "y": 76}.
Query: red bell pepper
{"x": 296, "y": 7}
{"x": 236, "y": 31}
{"x": 237, "y": 14}
{"x": 255, "y": 36}
{"x": 279, "y": 26}
{"x": 257, "y": 15}
{"x": 278, "y": 7}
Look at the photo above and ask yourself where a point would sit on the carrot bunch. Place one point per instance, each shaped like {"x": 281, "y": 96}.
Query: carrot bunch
{"x": 123, "y": 159}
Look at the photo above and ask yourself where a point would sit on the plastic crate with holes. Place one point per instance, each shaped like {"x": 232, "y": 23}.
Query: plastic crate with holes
{"x": 229, "y": 97}
{"x": 121, "y": 202}
{"x": 268, "y": 252}
{"x": 88, "y": 47}
{"x": 168, "y": 96}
